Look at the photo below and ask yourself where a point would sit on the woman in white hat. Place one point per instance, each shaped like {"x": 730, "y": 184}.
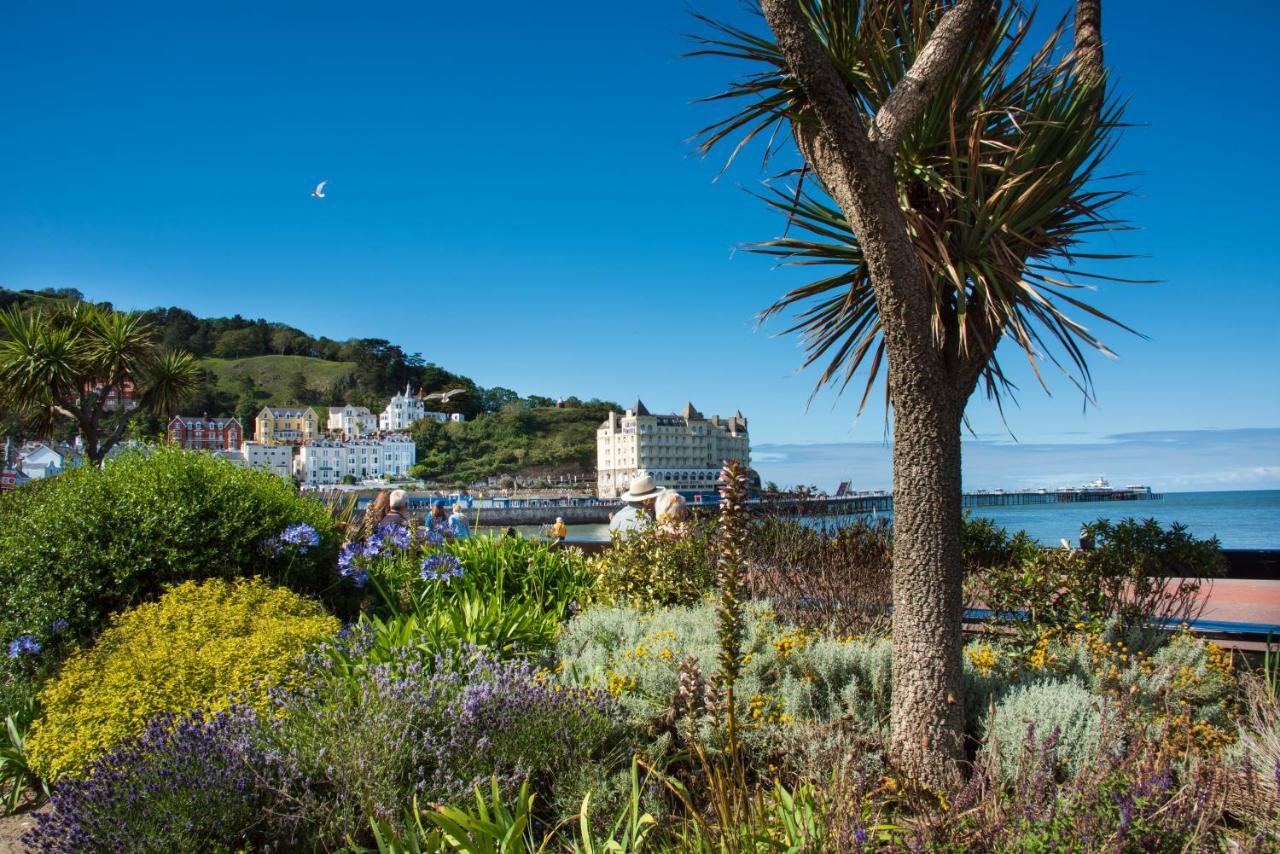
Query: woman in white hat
{"x": 640, "y": 498}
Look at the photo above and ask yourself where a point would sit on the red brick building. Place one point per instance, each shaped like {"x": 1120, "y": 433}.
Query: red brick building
{"x": 206, "y": 434}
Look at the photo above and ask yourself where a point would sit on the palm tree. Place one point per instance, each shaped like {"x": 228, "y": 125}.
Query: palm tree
{"x": 947, "y": 175}
{"x": 82, "y": 363}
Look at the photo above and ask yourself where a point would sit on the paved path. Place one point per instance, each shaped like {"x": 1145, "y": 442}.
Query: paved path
{"x": 1241, "y": 600}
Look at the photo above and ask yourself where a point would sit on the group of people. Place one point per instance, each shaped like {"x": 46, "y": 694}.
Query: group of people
{"x": 391, "y": 507}
{"x": 649, "y": 504}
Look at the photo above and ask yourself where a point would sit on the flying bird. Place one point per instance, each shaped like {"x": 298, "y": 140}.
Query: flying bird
{"x": 444, "y": 395}
{"x": 318, "y": 192}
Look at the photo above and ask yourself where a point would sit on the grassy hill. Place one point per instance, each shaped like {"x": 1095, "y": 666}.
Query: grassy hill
{"x": 274, "y": 376}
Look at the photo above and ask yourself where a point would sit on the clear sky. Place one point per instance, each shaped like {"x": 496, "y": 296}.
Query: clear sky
{"x": 512, "y": 194}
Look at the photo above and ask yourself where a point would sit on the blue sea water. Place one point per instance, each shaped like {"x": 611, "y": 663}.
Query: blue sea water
{"x": 1240, "y": 520}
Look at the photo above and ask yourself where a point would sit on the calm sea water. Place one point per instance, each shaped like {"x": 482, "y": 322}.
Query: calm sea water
{"x": 1240, "y": 520}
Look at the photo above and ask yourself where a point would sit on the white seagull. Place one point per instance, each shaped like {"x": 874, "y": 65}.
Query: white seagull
{"x": 444, "y": 395}
{"x": 318, "y": 192}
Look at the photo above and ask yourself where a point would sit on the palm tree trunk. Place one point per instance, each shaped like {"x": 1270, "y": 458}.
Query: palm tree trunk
{"x": 927, "y": 717}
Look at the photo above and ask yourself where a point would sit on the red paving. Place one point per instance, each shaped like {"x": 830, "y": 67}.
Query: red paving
{"x": 1242, "y": 600}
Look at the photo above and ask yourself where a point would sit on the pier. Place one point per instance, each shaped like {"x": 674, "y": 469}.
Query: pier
{"x": 579, "y": 511}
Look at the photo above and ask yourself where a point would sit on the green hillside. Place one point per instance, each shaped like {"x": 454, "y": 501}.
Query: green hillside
{"x": 519, "y": 440}
{"x": 275, "y": 378}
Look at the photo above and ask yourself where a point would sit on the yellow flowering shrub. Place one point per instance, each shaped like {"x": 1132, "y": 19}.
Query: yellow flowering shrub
{"x": 191, "y": 649}
{"x": 655, "y": 567}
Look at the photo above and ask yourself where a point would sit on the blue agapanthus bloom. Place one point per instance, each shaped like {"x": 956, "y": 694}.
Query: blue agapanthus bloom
{"x": 441, "y": 567}
{"x": 429, "y": 536}
{"x": 347, "y": 566}
{"x": 394, "y": 535}
{"x": 59, "y": 626}
{"x": 301, "y": 535}
{"x": 373, "y": 546}
{"x": 24, "y": 645}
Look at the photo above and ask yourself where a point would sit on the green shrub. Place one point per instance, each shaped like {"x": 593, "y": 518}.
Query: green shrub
{"x": 1138, "y": 574}
{"x": 192, "y": 649}
{"x": 1063, "y": 714}
{"x": 790, "y": 677}
{"x": 92, "y": 542}
{"x": 656, "y": 567}
{"x": 505, "y": 570}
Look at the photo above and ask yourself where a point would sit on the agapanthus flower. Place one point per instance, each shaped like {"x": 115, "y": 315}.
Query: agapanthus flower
{"x": 347, "y": 566}
{"x": 24, "y": 645}
{"x": 394, "y": 535}
{"x": 441, "y": 567}
{"x": 429, "y": 536}
{"x": 59, "y": 625}
{"x": 301, "y": 535}
{"x": 373, "y": 546}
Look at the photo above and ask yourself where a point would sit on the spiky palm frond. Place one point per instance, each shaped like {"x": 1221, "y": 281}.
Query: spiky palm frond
{"x": 998, "y": 183}
{"x": 39, "y": 362}
{"x": 169, "y": 381}
{"x": 121, "y": 345}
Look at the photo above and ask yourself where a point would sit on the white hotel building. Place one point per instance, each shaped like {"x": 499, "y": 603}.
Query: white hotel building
{"x": 406, "y": 408}
{"x": 326, "y": 461}
{"x": 352, "y": 421}
{"x": 683, "y": 452}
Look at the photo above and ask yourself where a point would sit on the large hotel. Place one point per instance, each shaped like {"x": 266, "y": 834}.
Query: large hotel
{"x": 684, "y": 452}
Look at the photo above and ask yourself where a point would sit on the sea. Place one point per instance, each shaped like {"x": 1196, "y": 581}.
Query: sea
{"x": 1240, "y": 520}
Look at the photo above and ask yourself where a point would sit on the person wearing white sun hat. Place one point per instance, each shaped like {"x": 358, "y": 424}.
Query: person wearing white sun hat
{"x": 640, "y": 498}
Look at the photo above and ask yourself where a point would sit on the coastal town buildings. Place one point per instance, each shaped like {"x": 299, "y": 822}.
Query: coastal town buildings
{"x": 323, "y": 462}
{"x": 352, "y": 421}
{"x": 280, "y": 425}
{"x": 682, "y": 451}
{"x": 206, "y": 434}
{"x": 403, "y": 409}
{"x": 277, "y": 459}
{"x": 406, "y": 408}
{"x": 38, "y": 461}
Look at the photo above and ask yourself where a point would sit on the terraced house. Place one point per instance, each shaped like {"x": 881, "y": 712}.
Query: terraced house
{"x": 326, "y": 461}
{"x": 280, "y": 425}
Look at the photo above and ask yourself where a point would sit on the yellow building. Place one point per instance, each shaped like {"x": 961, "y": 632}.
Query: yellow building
{"x": 277, "y": 425}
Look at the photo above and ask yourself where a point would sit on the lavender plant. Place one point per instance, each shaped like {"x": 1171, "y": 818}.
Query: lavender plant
{"x": 187, "y": 783}
{"x": 363, "y": 744}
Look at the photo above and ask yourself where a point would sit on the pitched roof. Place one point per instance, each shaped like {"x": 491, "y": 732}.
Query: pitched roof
{"x": 640, "y": 408}
{"x": 689, "y": 413}
{"x": 286, "y": 411}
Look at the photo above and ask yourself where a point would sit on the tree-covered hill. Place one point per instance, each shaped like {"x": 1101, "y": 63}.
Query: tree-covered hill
{"x": 520, "y": 439}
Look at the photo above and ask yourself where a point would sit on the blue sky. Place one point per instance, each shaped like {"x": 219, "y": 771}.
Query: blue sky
{"x": 513, "y": 195}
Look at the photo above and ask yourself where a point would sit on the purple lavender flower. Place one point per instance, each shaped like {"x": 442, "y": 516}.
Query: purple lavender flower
{"x": 441, "y": 567}
{"x": 301, "y": 535}
{"x": 24, "y": 645}
{"x": 187, "y": 783}
{"x": 860, "y": 836}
